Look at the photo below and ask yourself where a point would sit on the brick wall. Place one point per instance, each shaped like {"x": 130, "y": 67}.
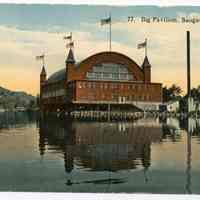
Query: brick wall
{"x": 117, "y": 92}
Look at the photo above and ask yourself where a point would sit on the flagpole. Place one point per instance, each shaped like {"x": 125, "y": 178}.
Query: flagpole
{"x": 146, "y": 47}
{"x": 43, "y": 61}
{"x": 71, "y": 38}
{"x": 110, "y": 31}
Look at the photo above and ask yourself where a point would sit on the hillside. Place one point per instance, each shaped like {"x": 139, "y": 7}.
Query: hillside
{"x": 12, "y": 99}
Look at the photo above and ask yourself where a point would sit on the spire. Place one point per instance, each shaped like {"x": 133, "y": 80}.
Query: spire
{"x": 43, "y": 72}
{"x": 146, "y": 62}
{"x": 70, "y": 57}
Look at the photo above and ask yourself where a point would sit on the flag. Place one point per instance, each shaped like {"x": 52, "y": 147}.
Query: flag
{"x": 69, "y": 37}
{"x": 142, "y": 45}
{"x": 69, "y": 45}
{"x": 106, "y": 21}
{"x": 40, "y": 57}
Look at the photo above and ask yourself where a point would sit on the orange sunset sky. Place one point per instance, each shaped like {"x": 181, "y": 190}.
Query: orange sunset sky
{"x": 31, "y": 30}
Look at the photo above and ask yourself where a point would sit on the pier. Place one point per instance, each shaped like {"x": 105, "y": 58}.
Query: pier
{"x": 105, "y": 116}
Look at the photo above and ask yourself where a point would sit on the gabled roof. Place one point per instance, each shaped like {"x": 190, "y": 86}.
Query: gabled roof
{"x": 146, "y": 62}
{"x": 70, "y": 57}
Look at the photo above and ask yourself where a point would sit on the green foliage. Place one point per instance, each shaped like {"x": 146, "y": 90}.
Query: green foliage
{"x": 10, "y": 100}
{"x": 195, "y": 93}
{"x": 172, "y": 93}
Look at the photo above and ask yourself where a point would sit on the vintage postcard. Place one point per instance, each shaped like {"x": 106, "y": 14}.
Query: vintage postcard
{"x": 99, "y": 98}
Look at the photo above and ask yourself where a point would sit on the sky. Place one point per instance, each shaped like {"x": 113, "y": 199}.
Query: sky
{"x": 29, "y": 30}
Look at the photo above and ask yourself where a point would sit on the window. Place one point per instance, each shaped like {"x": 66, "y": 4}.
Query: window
{"x": 107, "y": 75}
{"x": 115, "y": 76}
{"x": 105, "y": 86}
{"x": 93, "y": 85}
{"x": 80, "y": 85}
{"x": 115, "y": 97}
{"x": 109, "y": 71}
{"x": 89, "y": 85}
{"x": 124, "y": 76}
{"x": 130, "y": 76}
{"x": 114, "y": 86}
{"x": 90, "y": 75}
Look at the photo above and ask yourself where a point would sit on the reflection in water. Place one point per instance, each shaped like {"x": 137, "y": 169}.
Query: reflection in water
{"x": 149, "y": 155}
{"x": 190, "y": 130}
{"x": 101, "y": 146}
{"x": 171, "y": 129}
{"x": 10, "y": 120}
{"x": 16, "y": 119}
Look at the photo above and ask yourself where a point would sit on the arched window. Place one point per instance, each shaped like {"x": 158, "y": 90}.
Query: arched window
{"x": 109, "y": 71}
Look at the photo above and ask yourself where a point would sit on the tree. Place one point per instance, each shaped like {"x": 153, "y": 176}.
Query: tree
{"x": 172, "y": 93}
{"x": 195, "y": 93}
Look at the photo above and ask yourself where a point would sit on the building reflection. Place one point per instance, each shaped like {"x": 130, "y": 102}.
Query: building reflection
{"x": 109, "y": 146}
{"x": 171, "y": 129}
{"x": 100, "y": 146}
{"x": 17, "y": 119}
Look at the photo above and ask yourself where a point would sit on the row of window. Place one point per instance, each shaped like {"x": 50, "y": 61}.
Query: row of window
{"x": 117, "y": 98}
{"x": 109, "y": 71}
{"x": 109, "y": 76}
{"x": 93, "y": 85}
{"x": 54, "y": 93}
{"x": 110, "y": 67}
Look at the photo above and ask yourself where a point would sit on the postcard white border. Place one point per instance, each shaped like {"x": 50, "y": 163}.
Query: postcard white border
{"x": 110, "y": 2}
{"x": 91, "y": 196}
{"x": 97, "y": 196}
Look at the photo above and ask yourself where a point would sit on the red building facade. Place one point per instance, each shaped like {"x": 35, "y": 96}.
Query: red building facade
{"x": 101, "y": 79}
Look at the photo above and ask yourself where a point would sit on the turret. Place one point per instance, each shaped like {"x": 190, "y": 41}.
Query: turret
{"x": 147, "y": 70}
{"x": 43, "y": 78}
{"x": 43, "y": 75}
{"x": 70, "y": 64}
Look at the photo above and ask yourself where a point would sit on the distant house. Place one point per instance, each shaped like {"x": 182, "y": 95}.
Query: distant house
{"x": 170, "y": 106}
{"x": 20, "y": 108}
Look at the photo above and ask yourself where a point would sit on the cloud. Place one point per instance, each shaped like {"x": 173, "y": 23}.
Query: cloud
{"x": 166, "y": 50}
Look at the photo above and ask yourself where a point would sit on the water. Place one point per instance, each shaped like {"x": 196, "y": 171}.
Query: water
{"x": 52, "y": 155}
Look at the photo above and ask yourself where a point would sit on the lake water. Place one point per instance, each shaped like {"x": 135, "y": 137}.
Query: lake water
{"x": 53, "y": 155}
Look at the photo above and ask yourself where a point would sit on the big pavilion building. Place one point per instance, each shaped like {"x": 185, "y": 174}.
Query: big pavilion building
{"x": 106, "y": 78}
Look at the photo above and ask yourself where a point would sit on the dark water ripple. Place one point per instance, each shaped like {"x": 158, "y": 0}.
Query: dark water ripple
{"x": 54, "y": 155}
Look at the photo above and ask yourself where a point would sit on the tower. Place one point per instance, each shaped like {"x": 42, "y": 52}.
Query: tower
{"x": 70, "y": 64}
{"x": 146, "y": 70}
